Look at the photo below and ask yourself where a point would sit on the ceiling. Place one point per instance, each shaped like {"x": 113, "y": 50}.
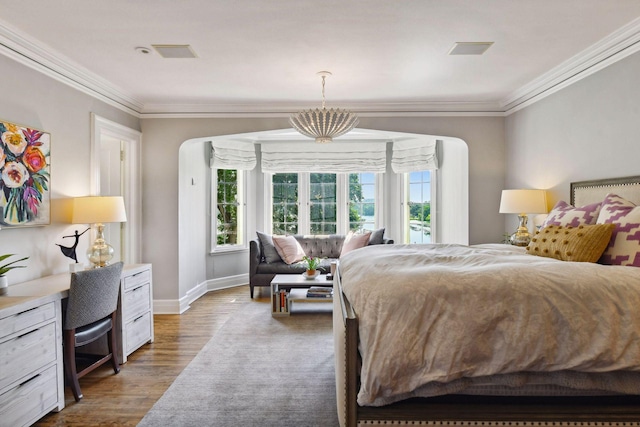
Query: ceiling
{"x": 262, "y": 56}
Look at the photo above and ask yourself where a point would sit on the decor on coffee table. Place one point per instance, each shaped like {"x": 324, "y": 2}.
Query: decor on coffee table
{"x": 312, "y": 264}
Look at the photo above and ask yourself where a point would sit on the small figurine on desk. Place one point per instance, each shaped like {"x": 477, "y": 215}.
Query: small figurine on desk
{"x": 70, "y": 251}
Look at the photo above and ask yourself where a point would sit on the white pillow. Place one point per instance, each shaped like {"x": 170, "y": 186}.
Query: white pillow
{"x": 288, "y": 248}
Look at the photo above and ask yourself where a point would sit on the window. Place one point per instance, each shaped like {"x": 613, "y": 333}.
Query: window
{"x": 285, "y": 203}
{"x": 323, "y": 203}
{"x": 417, "y": 207}
{"x": 362, "y": 201}
{"x": 229, "y": 224}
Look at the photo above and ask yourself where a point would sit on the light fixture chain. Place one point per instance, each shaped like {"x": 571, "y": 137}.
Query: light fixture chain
{"x": 323, "y": 78}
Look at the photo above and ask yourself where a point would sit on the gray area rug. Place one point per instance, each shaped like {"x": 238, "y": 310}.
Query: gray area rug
{"x": 256, "y": 371}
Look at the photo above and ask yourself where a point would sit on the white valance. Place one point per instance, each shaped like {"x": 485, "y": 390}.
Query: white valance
{"x": 334, "y": 157}
{"x": 414, "y": 155}
{"x": 230, "y": 154}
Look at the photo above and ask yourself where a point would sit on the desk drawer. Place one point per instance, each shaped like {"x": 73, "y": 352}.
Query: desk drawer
{"x": 30, "y": 400}
{"x": 26, "y": 319}
{"x": 138, "y": 332}
{"x": 136, "y": 301}
{"x": 27, "y": 353}
{"x": 137, "y": 279}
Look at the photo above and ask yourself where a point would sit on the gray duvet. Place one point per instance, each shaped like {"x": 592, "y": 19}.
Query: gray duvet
{"x": 435, "y": 319}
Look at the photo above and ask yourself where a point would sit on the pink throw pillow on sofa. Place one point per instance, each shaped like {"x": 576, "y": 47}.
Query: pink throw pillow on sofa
{"x": 354, "y": 241}
{"x": 624, "y": 246}
{"x": 288, "y": 248}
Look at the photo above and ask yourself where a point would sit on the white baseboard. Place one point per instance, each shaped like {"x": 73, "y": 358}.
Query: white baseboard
{"x": 227, "y": 282}
{"x": 166, "y": 306}
{"x": 179, "y": 306}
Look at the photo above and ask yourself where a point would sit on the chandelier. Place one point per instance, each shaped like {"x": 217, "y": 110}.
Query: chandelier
{"x": 323, "y": 124}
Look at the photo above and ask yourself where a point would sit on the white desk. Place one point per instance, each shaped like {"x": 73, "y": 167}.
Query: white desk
{"x": 31, "y": 364}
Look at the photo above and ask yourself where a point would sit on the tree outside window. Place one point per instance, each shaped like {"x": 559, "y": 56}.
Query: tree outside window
{"x": 419, "y": 207}
{"x": 228, "y": 213}
{"x": 285, "y": 203}
{"x": 362, "y": 188}
{"x": 323, "y": 203}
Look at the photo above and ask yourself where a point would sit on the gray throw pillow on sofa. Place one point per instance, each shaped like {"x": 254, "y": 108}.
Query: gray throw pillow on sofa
{"x": 268, "y": 248}
{"x": 376, "y": 236}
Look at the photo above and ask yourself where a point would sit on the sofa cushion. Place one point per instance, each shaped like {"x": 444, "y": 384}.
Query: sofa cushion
{"x": 289, "y": 249}
{"x": 295, "y": 268}
{"x": 321, "y": 246}
{"x": 377, "y": 237}
{"x": 355, "y": 241}
{"x": 269, "y": 251}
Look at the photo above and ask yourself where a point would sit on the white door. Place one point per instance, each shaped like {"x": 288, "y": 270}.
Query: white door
{"x": 115, "y": 166}
{"x": 112, "y": 184}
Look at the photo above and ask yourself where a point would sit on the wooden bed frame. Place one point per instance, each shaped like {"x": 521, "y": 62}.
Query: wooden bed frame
{"x": 464, "y": 410}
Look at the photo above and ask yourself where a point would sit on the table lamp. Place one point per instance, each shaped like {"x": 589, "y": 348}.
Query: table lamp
{"x": 523, "y": 202}
{"x": 98, "y": 210}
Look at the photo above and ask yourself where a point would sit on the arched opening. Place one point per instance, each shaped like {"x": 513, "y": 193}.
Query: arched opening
{"x": 200, "y": 271}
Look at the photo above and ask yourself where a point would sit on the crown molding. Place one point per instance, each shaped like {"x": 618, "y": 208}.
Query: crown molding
{"x": 613, "y": 48}
{"x": 34, "y": 54}
{"x": 279, "y": 110}
{"x": 38, "y": 56}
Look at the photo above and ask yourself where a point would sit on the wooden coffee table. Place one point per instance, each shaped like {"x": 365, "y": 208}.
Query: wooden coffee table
{"x": 289, "y": 288}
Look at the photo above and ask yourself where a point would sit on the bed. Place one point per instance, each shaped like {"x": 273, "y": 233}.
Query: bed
{"x": 490, "y": 334}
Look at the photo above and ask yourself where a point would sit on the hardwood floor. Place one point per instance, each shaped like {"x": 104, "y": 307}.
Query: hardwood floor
{"x": 123, "y": 399}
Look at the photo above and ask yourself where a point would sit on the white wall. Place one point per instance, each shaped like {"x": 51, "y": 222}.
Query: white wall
{"x": 162, "y": 140}
{"x": 589, "y": 130}
{"x": 32, "y": 99}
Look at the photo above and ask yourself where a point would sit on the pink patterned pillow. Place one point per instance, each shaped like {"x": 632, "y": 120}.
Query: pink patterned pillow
{"x": 624, "y": 246}
{"x": 566, "y": 215}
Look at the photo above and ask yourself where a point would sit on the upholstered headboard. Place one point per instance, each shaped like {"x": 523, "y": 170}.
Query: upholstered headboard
{"x": 587, "y": 192}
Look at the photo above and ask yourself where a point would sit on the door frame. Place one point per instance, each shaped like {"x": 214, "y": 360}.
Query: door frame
{"x": 132, "y": 229}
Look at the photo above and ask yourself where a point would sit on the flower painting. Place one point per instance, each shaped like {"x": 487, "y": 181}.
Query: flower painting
{"x": 24, "y": 175}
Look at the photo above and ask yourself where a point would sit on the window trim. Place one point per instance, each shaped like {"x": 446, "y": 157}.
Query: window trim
{"x": 242, "y": 214}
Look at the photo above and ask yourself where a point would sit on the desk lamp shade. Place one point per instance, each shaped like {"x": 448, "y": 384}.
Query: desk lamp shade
{"x": 99, "y": 210}
{"x": 523, "y": 202}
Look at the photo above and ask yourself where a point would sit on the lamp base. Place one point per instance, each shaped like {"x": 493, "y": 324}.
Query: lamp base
{"x": 521, "y": 237}
{"x": 100, "y": 253}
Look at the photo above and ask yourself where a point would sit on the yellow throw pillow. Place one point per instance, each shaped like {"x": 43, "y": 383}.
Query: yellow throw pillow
{"x": 584, "y": 243}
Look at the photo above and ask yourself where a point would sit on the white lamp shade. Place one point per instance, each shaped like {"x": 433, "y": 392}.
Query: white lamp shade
{"x": 98, "y": 209}
{"x": 523, "y": 201}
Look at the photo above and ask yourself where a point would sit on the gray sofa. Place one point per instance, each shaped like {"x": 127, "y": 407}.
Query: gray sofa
{"x": 262, "y": 269}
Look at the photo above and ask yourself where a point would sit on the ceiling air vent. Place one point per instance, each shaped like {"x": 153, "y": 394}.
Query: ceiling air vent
{"x": 470, "y": 48}
{"x": 174, "y": 50}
